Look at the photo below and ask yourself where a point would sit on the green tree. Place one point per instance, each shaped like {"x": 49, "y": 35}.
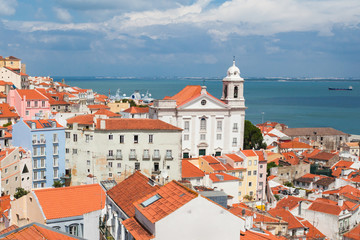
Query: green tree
{"x": 289, "y": 184}
{"x": 20, "y": 192}
{"x": 253, "y": 137}
{"x": 58, "y": 184}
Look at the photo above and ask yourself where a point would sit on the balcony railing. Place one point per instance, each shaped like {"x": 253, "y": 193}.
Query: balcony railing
{"x": 156, "y": 157}
{"x": 169, "y": 158}
{"x": 146, "y": 157}
{"x": 132, "y": 157}
{"x": 118, "y": 156}
{"x": 41, "y": 141}
{"x": 110, "y": 157}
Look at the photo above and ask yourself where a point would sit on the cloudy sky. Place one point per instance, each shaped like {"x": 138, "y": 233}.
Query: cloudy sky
{"x": 292, "y": 38}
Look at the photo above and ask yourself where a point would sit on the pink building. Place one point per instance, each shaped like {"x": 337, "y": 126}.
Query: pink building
{"x": 261, "y": 175}
{"x": 29, "y": 103}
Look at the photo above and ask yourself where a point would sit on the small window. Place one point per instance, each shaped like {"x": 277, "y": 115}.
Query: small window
{"x": 151, "y": 200}
{"x": 111, "y": 137}
{"x": 186, "y": 137}
{"x": 136, "y": 138}
{"x": 249, "y": 173}
{"x": 203, "y": 102}
{"x": 137, "y": 166}
{"x": 88, "y": 162}
{"x": 203, "y": 124}
{"x": 186, "y": 126}
{"x": 255, "y": 172}
{"x": 219, "y": 125}
{"x": 75, "y": 137}
{"x": 151, "y": 138}
{"x": 250, "y": 184}
{"x": 218, "y": 136}
{"x": 122, "y": 138}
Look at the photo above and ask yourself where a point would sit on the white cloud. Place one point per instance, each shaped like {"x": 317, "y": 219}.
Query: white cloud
{"x": 236, "y": 17}
{"x": 63, "y": 14}
{"x": 7, "y": 7}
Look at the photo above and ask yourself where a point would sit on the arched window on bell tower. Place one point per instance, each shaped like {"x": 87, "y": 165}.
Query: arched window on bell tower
{"x": 236, "y": 92}
{"x": 225, "y": 91}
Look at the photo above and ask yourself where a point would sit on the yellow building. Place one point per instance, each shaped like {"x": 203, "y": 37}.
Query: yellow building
{"x": 117, "y": 107}
{"x": 249, "y": 184}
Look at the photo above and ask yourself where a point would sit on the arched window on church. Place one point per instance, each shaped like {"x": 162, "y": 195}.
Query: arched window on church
{"x": 225, "y": 91}
{"x": 236, "y": 92}
{"x": 203, "y": 124}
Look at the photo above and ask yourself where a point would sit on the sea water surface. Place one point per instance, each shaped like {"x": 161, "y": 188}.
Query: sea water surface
{"x": 295, "y": 102}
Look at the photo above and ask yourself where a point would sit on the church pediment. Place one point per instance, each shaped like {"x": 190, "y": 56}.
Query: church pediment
{"x": 205, "y": 101}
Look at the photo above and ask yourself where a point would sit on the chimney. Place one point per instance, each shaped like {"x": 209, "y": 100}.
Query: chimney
{"x": 340, "y": 201}
{"x": 203, "y": 89}
{"x": 102, "y": 124}
{"x": 299, "y": 208}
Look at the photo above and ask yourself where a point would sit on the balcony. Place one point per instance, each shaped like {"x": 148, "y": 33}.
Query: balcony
{"x": 169, "y": 158}
{"x": 110, "y": 157}
{"x": 155, "y": 172}
{"x": 133, "y": 157}
{"x": 118, "y": 156}
{"x": 146, "y": 157}
{"x": 56, "y": 141}
{"x": 156, "y": 158}
{"x": 38, "y": 142}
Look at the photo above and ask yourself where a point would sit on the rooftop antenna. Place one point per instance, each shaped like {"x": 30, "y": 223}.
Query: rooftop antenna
{"x": 234, "y": 60}
{"x": 204, "y": 82}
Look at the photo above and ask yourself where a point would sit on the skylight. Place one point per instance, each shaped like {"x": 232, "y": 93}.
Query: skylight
{"x": 150, "y": 200}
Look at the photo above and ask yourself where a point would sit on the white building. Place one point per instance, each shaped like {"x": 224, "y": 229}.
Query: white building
{"x": 211, "y": 126}
{"x": 168, "y": 212}
{"x": 115, "y": 148}
{"x": 19, "y": 79}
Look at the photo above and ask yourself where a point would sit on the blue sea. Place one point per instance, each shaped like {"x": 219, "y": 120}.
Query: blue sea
{"x": 295, "y": 102}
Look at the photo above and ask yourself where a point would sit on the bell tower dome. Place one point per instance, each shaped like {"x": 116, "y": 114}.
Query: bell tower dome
{"x": 233, "y": 87}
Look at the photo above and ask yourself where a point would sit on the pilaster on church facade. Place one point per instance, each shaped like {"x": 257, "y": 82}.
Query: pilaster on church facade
{"x": 210, "y": 126}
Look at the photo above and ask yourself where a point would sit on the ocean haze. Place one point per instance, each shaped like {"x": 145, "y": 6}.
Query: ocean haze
{"x": 295, "y": 102}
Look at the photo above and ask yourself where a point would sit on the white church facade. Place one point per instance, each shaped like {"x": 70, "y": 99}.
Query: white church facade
{"x": 210, "y": 126}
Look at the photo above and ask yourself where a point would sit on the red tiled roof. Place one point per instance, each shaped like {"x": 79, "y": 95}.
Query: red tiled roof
{"x": 87, "y": 119}
{"x": 323, "y": 156}
{"x": 342, "y": 164}
{"x": 218, "y": 167}
{"x": 347, "y": 191}
{"x": 291, "y": 158}
{"x": 313, "y": 232}
{"x": 260, "y": 155}
{"x": 2, "y": 83}
{"x": 135, "y": 124}
{"x": 97, "y": 106}
{"x": 70, "y": 201}
{"x": 216, "y": 177}
{"x": 8, "y": 229}
{"x": 238, "y": 211}
{"x": 31, "y": 94}
{"x": 287, "y": 217}
{"x": 7, "y": 112}
{"x": 235, "y": 157}
{"x": 290, "y": 201}
{"x": 210, "y": 159}
{"x": 3, "y": 95}
{"x": 136, "y": 230}
{"x": 107, "y": 113}
{"x": 323, "y": 207}
{"x": 255, "y": 235}
{"x": 294, "y": 144}
{"x": 130, "y": 190}
{"x": 35, "y": 231}
{"x": 41, "y": 123}
{"x": 189, "y": 93}
{"x": 249, "y": 153}
{"x": 173, "y": 195}
{"x": 189, "y": 170}
{"x": 353, "y": 234}
{"x": 137, "y": 110}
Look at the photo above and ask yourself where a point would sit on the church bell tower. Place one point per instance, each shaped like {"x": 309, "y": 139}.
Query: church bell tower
{"x": 233, "y": 88}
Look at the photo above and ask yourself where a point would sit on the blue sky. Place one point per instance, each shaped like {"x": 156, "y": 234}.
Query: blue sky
{"x": 289, "y": 38}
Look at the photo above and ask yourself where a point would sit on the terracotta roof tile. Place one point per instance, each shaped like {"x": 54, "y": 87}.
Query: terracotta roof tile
{"x": 8, "y": 229}
{"x": 97, "y": 106}
{"x": 313, "y": 232}
{"x": 290, "y": 201}
{"x": 74, "y": 200}
{"x": 31, "y": 94}
{"x": 172, "y": 196}
{"x": 189, "y": 170}
{"x": 210, "y": 159}
{"x": 323, "y": 207}
{"x": 135, "y": 124}
{"x": 136, "y": 230}
{"x": 312, "y": 132}
{"x": 221, "y": 177}
{"x": 294, "y": 144}
{"x": 130, "y": 190}
{"x": 35, "y": 231}
{"x": 323, "y": 156}
{"x": 235, "y": 157}
{"x": 287, "y": 217}
{"x": 107, "y": 113}
{"x": 43, "y": 123}
{"x": 137, "y": 110}
{"x": 249, "y": 153}
{"x": 353, "y": 234}
{"x": 7, "y": 112}
{"x": 87, "y": 119}
{"x": 256, "y": 235}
